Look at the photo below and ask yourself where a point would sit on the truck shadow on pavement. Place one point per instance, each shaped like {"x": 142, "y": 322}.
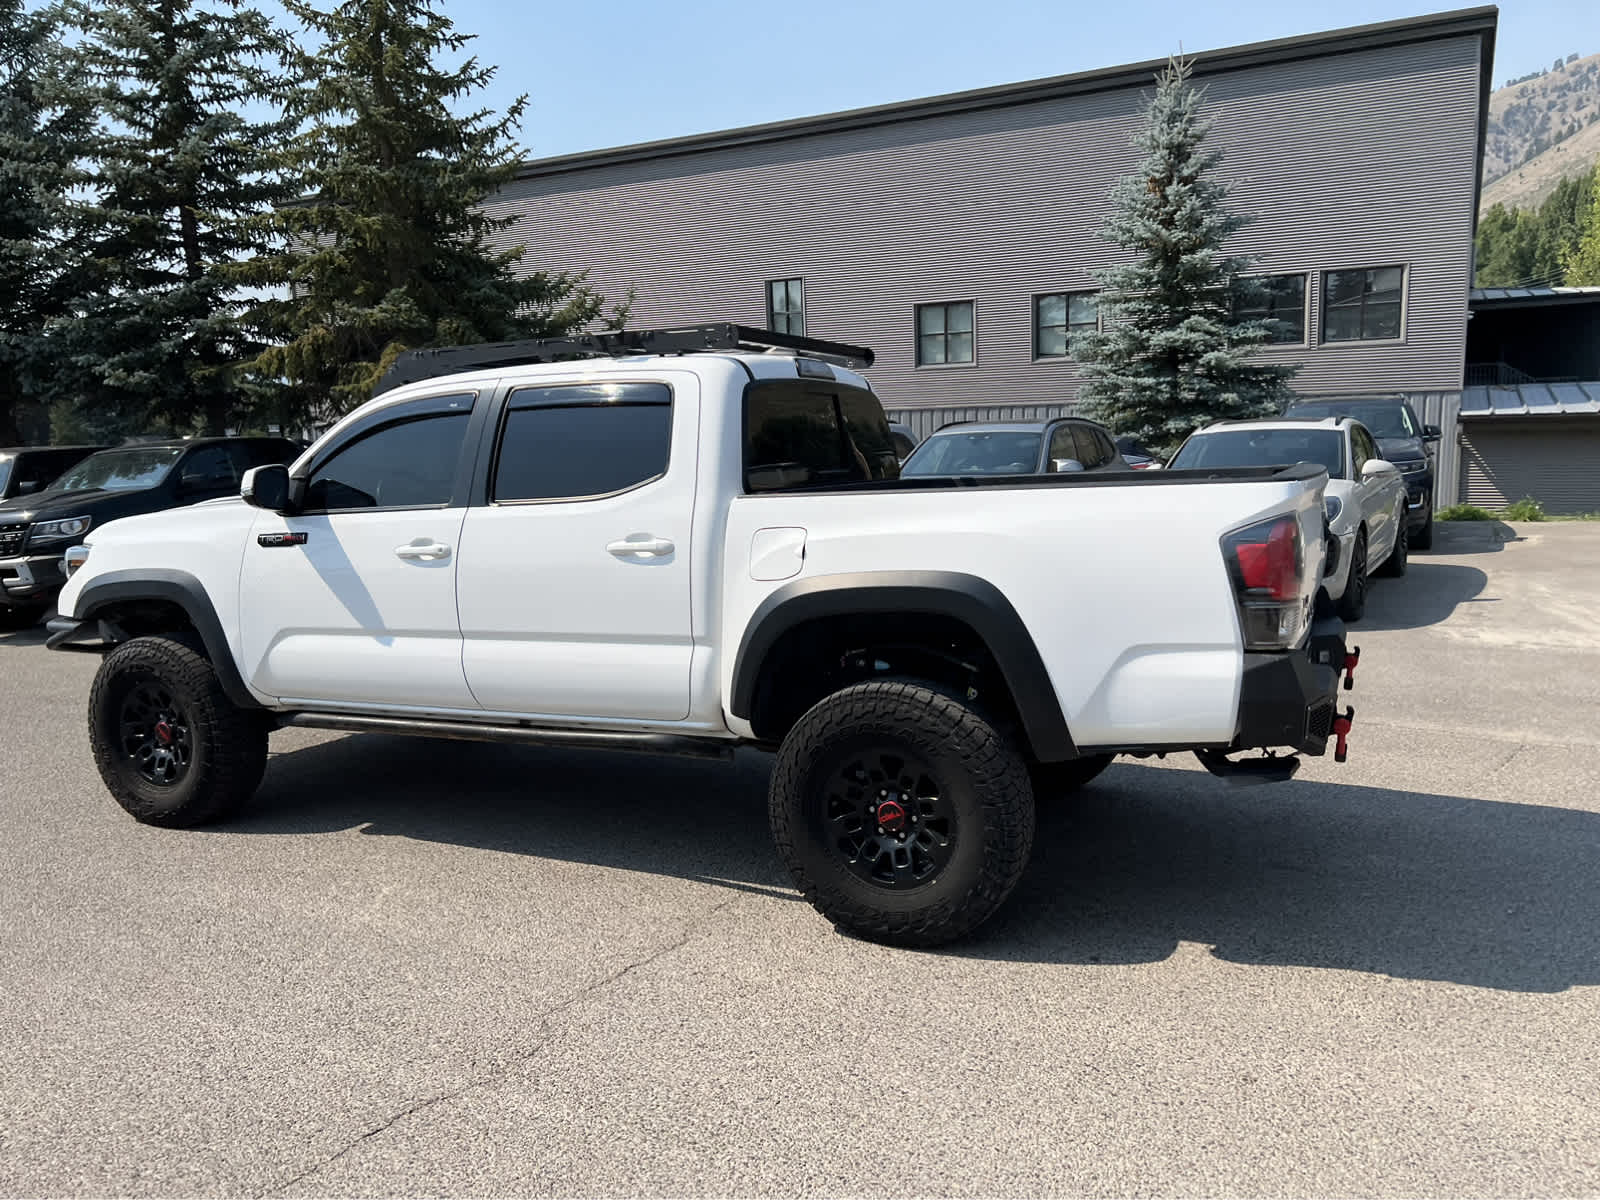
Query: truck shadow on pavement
{"x": 1309, "y": 874}
{"x": 1428, "y": 594}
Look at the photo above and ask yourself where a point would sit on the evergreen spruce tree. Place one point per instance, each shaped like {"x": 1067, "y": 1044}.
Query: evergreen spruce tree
{"x": 41, "y": 135}
{"x": 1172, "y": 354}
{"x": 177, "y": 174}
{"x": 1582, "y": 261}
{"x": 389, "y": 249}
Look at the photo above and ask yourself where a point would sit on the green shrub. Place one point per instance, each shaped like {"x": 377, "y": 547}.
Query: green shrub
{"x": 1464, "y": 512}
{"x": 1526, "y": 509}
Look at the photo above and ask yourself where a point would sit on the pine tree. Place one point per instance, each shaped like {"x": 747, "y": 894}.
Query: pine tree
{"x": 178, "y": 174}
{"x": 41, "y": 135}
{"x": 390, "y": 247}
{"x": 1173, "y": 354}
{"x": 1583, "y": 260}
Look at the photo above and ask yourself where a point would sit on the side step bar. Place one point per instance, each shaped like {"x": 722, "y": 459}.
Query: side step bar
{"x": 526, "y": 735}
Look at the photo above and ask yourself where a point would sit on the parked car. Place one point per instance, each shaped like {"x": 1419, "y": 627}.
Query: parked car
{"x": 28, "y": 469}
{"x": 1137, "y": 455}
{"x": 904, "y": 439}
{"x": 972, "y": 448}
{"x": 1365, "y": 499}
{"x": 37, "y": 529}
{"x": 1403, "y": 440}
{"x": 668, "y": 551}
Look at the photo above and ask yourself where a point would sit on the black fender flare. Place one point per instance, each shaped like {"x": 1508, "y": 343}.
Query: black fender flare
{"x": 975, "y": 602}
{"x": 189, "y": 594}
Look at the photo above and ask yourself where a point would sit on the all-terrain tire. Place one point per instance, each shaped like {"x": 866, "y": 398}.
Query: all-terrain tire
{"x": 171, "y": 747}
{"x": 1051, "y": 780}
{"x": 964, "y": 807}
{"x": 1395, "y": 565}
{"x": 1354, "y": 601}
{"x": 1424, "y": 536}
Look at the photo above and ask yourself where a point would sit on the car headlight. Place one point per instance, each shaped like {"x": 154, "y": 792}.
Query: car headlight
{"x": 66, "y": 527}
{"x": 1332, "y": 506}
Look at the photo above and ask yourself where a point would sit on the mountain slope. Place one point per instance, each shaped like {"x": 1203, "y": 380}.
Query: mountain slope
{"x": 1540, "y": 131}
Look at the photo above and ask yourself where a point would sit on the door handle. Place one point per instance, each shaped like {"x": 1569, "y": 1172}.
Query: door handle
{"x": 653, "y": 547}
{"x": 423, "y": 550}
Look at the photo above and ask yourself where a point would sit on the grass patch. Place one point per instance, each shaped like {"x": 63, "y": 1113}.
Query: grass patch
{"x": 1526, "y": 509}
{"x": 1464, "y": 512}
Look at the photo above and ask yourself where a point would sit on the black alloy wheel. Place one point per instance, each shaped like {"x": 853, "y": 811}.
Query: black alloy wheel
{"x": 887, "y": 816}
{"x": 154, "y": 733}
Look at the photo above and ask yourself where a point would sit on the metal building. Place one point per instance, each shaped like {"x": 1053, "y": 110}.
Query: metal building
{"x": 958, "y": 235}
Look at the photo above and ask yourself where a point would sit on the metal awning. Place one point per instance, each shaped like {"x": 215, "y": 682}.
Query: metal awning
{"x": 1531, "y": 400}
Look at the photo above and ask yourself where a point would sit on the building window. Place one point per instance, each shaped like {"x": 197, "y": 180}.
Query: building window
{"x": 944, "y": 333}
{"x": 1280, "y": 298}
{"x": 1059, "y": 318}
{"x": 1363, "y": 306}
{"x": 786, "y": 306}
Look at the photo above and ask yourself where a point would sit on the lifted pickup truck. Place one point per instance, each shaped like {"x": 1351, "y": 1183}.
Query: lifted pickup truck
{"x": 682, "y": 541}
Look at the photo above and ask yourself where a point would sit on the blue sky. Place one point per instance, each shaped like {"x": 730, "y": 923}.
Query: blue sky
{"x": 632, "y": 70}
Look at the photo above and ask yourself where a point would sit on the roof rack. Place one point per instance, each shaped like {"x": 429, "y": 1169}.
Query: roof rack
{"x": 416, "y": 365}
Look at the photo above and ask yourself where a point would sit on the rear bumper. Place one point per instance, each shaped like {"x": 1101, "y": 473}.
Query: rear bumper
{"x": 1287, "y": 700}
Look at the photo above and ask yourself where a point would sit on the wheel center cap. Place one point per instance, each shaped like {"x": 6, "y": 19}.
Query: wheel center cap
{"x": 892, "y": 816}
{"x": 164, "y": 732}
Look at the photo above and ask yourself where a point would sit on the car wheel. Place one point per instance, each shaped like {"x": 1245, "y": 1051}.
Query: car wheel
{"x": 1395, "y": 565}
{"x": 902, "y": 814}
{"x": 1354, "y": 601}
{"x": 1056, "y": 779}
{"x": 170, "y": 745}
{"x": 12, "y": 619}
{"x": 1423, "y": 539}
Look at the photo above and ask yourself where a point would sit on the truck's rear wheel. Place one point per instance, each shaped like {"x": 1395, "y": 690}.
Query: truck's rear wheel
{"x": 170, "y": 745}
{"x": 1063, "y": 778}
{"x": 902, "y": 814}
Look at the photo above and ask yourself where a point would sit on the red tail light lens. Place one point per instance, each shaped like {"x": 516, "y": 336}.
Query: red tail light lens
{"x": 1269, "y": 559}
{"x": 1265, "y": 561}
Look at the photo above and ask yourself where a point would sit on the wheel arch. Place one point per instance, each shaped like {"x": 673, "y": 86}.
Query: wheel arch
{"x": 961, "y": 600}
{"x": 153, "y": 591}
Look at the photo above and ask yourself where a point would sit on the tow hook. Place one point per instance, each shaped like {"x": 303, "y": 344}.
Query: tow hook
{"x": 1341, "y": 734}
{"x": 1351, "y": 658}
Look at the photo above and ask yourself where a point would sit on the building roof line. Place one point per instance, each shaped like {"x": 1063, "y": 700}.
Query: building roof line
{"x": 1480, "y": 21}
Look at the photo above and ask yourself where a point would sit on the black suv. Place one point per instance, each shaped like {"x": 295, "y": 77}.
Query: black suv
{"x": 27, "y": 469}
{"x": 1402, "y": 439}
{"x": 146, "y": 477}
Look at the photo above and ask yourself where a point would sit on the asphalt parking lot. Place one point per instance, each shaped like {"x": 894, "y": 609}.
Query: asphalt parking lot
{"x": 417, "y": 967}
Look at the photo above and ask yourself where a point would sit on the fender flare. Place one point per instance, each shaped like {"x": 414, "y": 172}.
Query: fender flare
{"x": 975, "y": 602}
{"x": 189, "y": 594}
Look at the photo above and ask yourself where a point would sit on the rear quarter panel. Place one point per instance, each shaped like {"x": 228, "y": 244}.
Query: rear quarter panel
{"x": 1123, "y": 588}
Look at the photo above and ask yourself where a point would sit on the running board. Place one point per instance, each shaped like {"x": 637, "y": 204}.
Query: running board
{"x": 525, "y": 735}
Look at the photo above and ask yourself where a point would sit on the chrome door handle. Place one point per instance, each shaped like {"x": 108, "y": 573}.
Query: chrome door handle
{"x": 653, "y": 547}
{"x": 425, "y": 551}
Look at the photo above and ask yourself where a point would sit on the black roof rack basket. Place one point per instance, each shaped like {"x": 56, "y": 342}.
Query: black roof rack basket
{"x": 416, "y": 365}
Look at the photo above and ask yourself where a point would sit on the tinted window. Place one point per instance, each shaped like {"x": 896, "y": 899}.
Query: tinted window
{"x": 1062, "y": 445}
{"x": 807, "y": 432}
{"x": 1362, "y": 305}
{"x": 1364, "y": 447}
{"x": 259, "y": 454}
{"x": 1089, "y": 451}
{"x": 1061, "y": 317}
{"x": 408, "y": 464}
{"x": 1280, "y": 299}
{"x": 208, "y": 470}
{"x": 977, "y": 452}
{"x": 1383, "y": 418}
{"x": 567, "y": 443}
{"x": 120, "y": 470}
{"x": 1262, "y": 448}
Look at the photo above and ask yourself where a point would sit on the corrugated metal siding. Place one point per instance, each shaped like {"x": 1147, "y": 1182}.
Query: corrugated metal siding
{"x": 1555, "y": 461}
{"x": 1359, "y": 159}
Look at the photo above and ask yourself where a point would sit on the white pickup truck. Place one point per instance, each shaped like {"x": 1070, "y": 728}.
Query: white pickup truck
{"x": 682, "y": 541}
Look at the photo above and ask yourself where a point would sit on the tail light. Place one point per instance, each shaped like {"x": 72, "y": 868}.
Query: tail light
{"x": 1265, "y": 562}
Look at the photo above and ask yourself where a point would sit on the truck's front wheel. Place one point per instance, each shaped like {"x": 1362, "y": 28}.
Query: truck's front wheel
{"x": 170, "y": 745}
{"x": 902, "y": 814}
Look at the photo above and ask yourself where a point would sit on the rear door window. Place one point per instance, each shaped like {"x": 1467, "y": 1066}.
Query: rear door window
{"x": 811, "y": 433}
{"x": 582, "y": 442}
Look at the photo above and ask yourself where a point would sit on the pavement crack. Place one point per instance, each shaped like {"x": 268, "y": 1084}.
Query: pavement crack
{"x": 521, "y": 1059}
{"x": 1506, "y": 761}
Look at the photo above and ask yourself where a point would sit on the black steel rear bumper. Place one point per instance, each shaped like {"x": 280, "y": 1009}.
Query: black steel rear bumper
{"x": 1288, "y": 700}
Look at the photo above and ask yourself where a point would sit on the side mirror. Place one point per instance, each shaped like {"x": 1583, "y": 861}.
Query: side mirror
{"x": 29, "y": 486}
{"x": 1065, "y": 464}
{"x": 266, "y": 487}
{"x": 1431, "y": 433}
{"x": 1375, "y": 467}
